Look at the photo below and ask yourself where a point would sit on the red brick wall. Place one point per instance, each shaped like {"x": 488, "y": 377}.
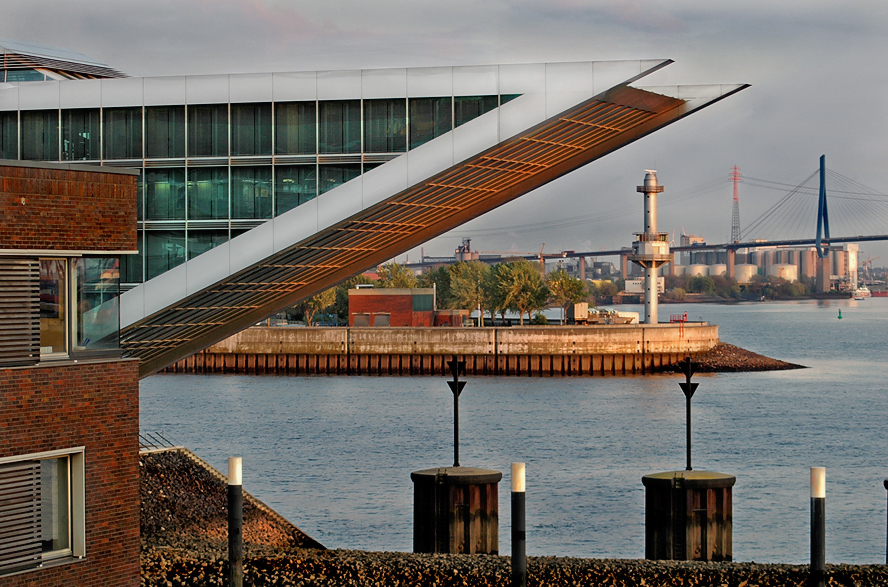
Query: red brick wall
{"x": 400, "y": 307}
{"x": 63, "y": 209}
{"x": 94, "y": 405}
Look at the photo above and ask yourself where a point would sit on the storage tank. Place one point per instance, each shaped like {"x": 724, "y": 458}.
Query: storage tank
{"x": 678, "y": 270}
{"x": 784, "y": 271}
{"x": 718, "y": 269}
{"x": 744, "y": 272}
{"x": 697, "y": 269}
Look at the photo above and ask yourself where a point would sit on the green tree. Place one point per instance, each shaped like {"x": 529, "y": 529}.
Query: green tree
{"x": 701, "y": 284}
{"x": 318, "y": 303}
{"x": 494, "y": 293}
{"x": 340, "y": 306}
{"x": 467, "y": 280}
{"x": 439, "y": 278}
{"x": 565, "y": 290}
{"x": 393, "y": 275}
{"x": 522, "y": 288}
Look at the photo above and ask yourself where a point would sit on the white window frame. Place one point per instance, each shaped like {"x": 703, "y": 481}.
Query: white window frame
{"x": 76, "y": 496}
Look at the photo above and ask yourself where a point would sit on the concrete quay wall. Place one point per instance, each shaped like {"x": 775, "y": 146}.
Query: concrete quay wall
{"x": 521, "y": 350}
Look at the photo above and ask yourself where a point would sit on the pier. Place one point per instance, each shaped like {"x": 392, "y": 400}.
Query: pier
{"x": 528, "y": 350}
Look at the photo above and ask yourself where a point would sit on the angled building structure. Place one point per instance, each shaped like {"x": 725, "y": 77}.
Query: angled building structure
{"x": 259, "y": 190}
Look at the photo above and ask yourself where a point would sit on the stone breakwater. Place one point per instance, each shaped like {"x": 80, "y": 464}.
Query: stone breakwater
{"x": 343, "y": 568}
{"x": 184, "y": 544}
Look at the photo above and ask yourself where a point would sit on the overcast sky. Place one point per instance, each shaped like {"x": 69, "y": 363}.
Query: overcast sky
{"x": 817, "y": 69}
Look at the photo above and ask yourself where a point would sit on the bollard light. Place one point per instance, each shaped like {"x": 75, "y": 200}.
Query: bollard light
{"x": 519, "y": 533}
{"x": 818, "y": 524}
{"x": 235, "y": 523}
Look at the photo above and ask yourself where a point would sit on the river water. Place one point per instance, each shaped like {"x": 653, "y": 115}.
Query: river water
{"x": 334, "y": 454}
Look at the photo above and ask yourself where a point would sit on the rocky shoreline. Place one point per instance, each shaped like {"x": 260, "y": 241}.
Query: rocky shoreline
{"x": 727, "y": 358}
{"x": 184, "y": 544}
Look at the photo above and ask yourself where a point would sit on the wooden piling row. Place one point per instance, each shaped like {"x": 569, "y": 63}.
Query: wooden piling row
{"x": 421, "y": 364}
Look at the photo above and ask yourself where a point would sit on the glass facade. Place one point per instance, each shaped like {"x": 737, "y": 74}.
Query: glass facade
{"x": 96, "y": 303}
{"x": 206, "y": 167}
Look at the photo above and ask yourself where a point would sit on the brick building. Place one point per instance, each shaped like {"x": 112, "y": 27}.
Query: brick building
{"x": 69, "y": 402}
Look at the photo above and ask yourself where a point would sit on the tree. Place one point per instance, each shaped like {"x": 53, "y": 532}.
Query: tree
{"x": 565, "y": 290}
{"x": 340, "y": 306}
{"x": 318, "y": 303}
{"x": 467, "y": 289}
{"x": 438, "y": 278}
{"x": 393, "y": 275}
{"x": 522, "y": 288}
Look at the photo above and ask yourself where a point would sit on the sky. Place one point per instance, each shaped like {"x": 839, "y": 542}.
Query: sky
{"x": 816, "y": 68}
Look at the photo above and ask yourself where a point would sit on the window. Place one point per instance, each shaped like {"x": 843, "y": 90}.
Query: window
{"x": 294, "y": 185}
{"x": 251, "y": 129}
{"x": 53, "y": 307}
{"x": 429, "y": 119}
{"x": 334, "y": 175}
{"x": 44, "y": 508}
{"x": 295, "y": 128}
{"x": 467, "y": 108}
{"x": 340, "y": 126}
{"x": 164, "y": 132}
{"x": 80, "y": 134}
{"x": 40, "y": 135}
{"x": 251, "y": 192}
{"x": 208, "y": 130}
{"x": 8, "y": 135}
{"x": 207, "y": 193}
{"x": 166, "y": 193}
{"x": 164, "y": 250}
{"x": 385, "y": 126}
{"x": 96, "y": 282}
{"x": 201, "y": 241}
{"x": 123, "y": 133}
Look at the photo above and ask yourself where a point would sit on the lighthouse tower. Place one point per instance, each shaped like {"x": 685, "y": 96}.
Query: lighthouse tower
{"x": 651, "y": 248}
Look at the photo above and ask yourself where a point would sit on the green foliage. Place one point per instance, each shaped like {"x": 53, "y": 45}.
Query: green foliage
{"x": 539, "y": 319}
{"x": 467, "y": 285}
{"x": 318, "y": 303}
{"x": 701, "y": 284}
{"x": 340, "y": 305}
{"x": 439, "y": 278}
{"x": 520, "y": 288}
{"x": 392, "y": 275}
{"x": 676, "y": 293}
{"x": 565, "y": 290}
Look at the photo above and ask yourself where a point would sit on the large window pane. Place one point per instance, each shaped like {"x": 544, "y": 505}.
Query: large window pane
{"x": 207, "y": 193}
{"x": 340, "y": 127}
{"x": 334, "y": 175}
{"x": 165, "y": 194}
{"x": 96, "y": 309}
{"x": 40, "y": 135}
{"x": 294, "y": 185}
{"x": 164, "y": 250}
{"x": 80, "y": 134}
{"x": 164, "y": 132}
{"x": 55, "y": 509}
{"x": 466, "y": 108}
{"x": 429, "y": 119}
{"x": 251, "y": 129}
{"x": 8, "y": 135}
{"x": 123, "y": 133}
{"x": 53, "y": 301}
{"x": 295, "y": 128}
{"x": 208, "y": 130}
{"x": 251, "y": 192}
{"x": 24, "y": 75}
{"x": 131, "y": 265}
{"x": 201, "y": 241}
{"x": 385, "y": 126}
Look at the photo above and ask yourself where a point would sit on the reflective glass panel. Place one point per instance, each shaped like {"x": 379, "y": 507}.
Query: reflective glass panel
{"x": 251, "y": 129}
{"x": 164, "y": 132}
{"x": 207, "y": 193}
{"x": 96, "y": 308}
{"x": 53, "y": 301}
{"x": 340, "y": 126}
{"x": 295, "y": 128}
{"x": 429, "y": 119}
{"x": 385, "y": 126}
{"x": 123, "y": 133}
{"x": 164, "y": 249}
{"x": 334, "y": 175}
{"x": 294, "y": 185}
{"x": 55, "y": 508}
{"x": 8, "y": 135}
{"x": 40, "y": 135}
{"x": 131, "y": 265}
{"x": 251, "y": 192}
{"x": 80, "y": 134}
{"x": 208, "y": 130}
{"x": 140, "y": 196}
{"x": 165, "y": 194}
{"x": 201, "y": 241}
{"x": 466, "y": 108}
{"x": 24, "y": 75}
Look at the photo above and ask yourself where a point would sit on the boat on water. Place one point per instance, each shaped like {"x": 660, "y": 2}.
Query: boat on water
{"x": 862, "y": 292}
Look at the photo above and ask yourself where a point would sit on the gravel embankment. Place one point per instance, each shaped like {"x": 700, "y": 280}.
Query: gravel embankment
{"x": 726, "y": 358}
{"x": 184, "y": 544}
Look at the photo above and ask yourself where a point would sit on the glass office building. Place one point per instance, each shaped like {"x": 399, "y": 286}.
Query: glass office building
{"x": 220, "y": 155}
